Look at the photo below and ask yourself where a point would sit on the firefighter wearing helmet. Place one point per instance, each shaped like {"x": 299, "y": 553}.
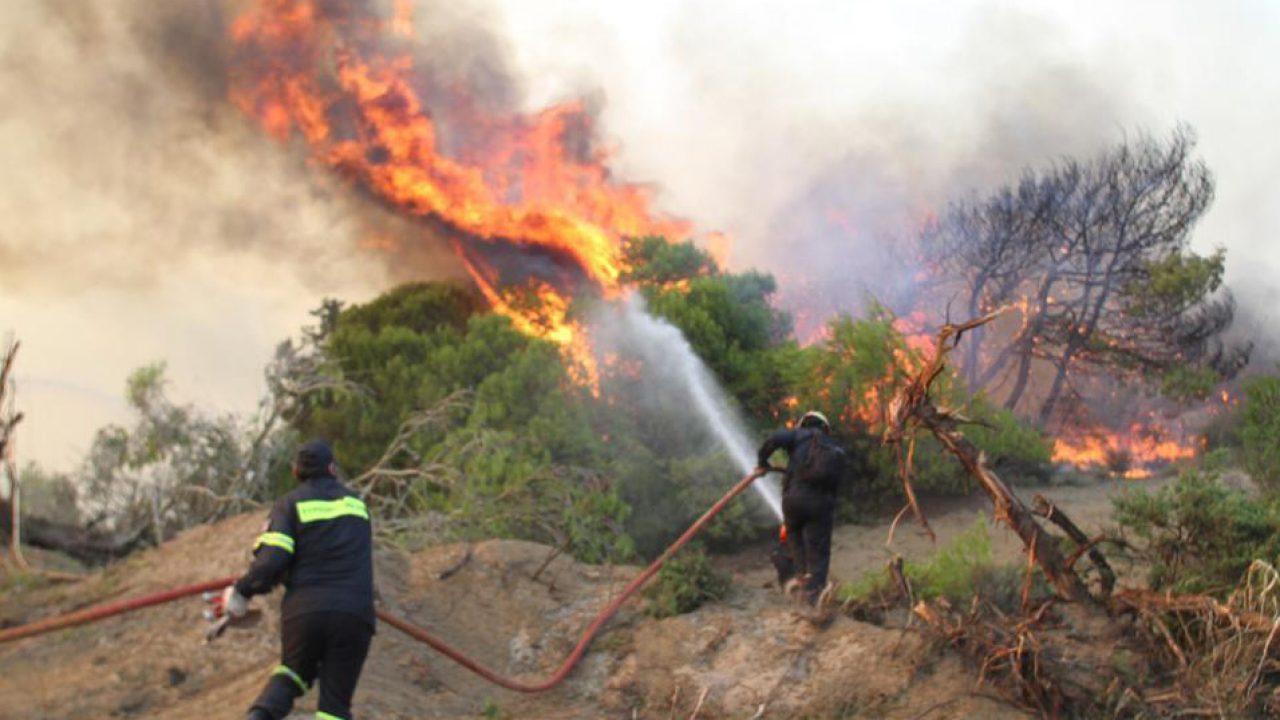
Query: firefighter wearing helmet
{"x": 815, "y": 466}
{"x": 318, "y": 542}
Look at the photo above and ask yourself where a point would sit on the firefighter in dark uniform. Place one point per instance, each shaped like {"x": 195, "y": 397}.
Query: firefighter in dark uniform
{"x": 319, "y": 543}
{"x": 815, "y": 466}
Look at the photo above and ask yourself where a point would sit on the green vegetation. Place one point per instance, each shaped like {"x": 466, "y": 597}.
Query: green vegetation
{"x": 953, "y": 572}
{"x": 455, "y": 424}
{"x": 50, "y": 495}
{"x": 489, "y": 432}
{"x": 173, "y": 468}
{"x": 683, "y": 584}
{"x": 1259, "y": 431}
{"x": 1197, "y": 535}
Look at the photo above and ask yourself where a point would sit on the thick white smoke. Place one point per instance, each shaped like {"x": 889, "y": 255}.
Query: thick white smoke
{"x": 141, "y": 217}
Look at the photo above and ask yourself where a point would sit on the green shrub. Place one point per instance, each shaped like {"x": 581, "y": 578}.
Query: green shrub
{"x": 1260, "y": 430}
{"x": 505, "y": 489}
{"x": 683, "y": 584}
{"x": 1198, "y": 535}
{"x": 1014, "y": 449}
{"x": 954, "y": 571}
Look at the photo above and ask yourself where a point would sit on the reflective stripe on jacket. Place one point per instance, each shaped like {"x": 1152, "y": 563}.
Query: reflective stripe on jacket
{"x": 319, "y": 543}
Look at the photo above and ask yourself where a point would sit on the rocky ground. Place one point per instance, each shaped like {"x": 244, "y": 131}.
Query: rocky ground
{"x": 747, "y": 656}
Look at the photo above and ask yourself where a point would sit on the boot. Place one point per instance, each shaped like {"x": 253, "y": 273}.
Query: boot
{"x": 818, "y": 608}
{"x": 794, "y": 589}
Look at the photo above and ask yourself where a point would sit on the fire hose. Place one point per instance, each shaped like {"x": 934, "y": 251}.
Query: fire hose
{"x": 102, "y": 612}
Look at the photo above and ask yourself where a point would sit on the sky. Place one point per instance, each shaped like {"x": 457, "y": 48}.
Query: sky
{"x": 143, "y": 220}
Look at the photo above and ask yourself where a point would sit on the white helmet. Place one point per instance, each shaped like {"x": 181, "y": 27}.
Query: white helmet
{"x": 815, "y": 418}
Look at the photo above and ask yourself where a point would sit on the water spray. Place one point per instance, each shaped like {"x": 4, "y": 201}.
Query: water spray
{"x": 662, "y": 344}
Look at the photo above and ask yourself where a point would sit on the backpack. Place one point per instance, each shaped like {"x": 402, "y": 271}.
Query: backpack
{"x": 823, "y": 464}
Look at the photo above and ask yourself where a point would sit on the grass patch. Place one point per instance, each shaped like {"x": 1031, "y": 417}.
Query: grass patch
{"x": 16, "y": 579}
{"x": 954, "y": 571}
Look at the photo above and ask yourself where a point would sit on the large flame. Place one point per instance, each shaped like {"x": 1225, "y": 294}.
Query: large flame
{"x": 1133, "y": 454}
{"x": 319, "y": 71}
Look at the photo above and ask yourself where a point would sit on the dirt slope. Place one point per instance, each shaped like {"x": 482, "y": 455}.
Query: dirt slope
{"x": 747, "y": 656}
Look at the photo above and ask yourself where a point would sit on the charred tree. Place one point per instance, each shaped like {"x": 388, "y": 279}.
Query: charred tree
{"x": 1096, "y": 255}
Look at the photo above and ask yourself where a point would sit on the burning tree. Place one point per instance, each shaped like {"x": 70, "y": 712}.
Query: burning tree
{"x": 344, "y": 78}
{"x": 1096, "y": 256}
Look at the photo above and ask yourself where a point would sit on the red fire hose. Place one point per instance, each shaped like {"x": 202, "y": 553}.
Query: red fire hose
{"x": 105, "y": 611}
{"x": 102, "y": 612}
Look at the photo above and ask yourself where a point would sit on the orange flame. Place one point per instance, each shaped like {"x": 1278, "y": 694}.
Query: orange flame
{"x": 912, "y": 327}
{"x": 306, "y": 69}
{"x": 1133, "y": 454}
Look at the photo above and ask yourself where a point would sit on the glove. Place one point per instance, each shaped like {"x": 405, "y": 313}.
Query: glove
{"x": 234, "y": 604}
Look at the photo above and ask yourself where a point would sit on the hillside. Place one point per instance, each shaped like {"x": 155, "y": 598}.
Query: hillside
{"x": 747, "y": 656}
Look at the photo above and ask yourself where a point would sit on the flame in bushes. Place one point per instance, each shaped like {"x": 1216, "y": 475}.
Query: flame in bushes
{"x": 1132, "y": 455}
{"x": 319, "y": 71}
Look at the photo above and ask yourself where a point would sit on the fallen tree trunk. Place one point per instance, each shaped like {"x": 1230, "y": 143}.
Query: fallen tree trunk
{"x": 913, "y": 408}
{"x": 1055, "y": 515}
{"x": 87, "y": 546}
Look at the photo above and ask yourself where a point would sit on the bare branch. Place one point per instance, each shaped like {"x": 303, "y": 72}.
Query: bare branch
{"x": 911, "y": 409}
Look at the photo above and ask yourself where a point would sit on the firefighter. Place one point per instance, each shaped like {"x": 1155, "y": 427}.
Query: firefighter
{"x": 318, "y": 542}
{"x": 815, "y": 466}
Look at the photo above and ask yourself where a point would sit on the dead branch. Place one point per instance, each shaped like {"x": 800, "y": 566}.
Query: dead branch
{"x": 400, "y": 466}
{"x": 85, "y": 545}
{"x": 456, "y": 566}
{"x": 9, "y": 419}
{"x": 906, "y": 465}
{"x": 901, "y": 582}
{"x": 1010, "y": 656}
{"x": 912, "y": 408}
{"x": 1150, "y": 602}
{"x": 1222, "y": 650}
{"x": 701, "y": 699}
{"x": 15, "y": 508}
{"x": 1054, "y": 514}
{"x": 7, "y": 423}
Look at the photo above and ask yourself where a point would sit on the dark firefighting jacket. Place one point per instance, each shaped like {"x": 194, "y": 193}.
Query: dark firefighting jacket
{"x": 319, "y": 543}
{"x": 814, "y": 462}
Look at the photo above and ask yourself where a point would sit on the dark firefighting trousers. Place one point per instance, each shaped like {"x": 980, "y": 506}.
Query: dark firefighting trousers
{"x": 329, "y": 646}
{"x": 810, "y": 518}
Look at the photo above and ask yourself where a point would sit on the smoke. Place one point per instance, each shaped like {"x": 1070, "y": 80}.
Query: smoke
{"x": 142, "y": 216}
{"x": 132, "y": 161}
{"x": 851, "y": 151}
{"x": 820, "y": 135}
